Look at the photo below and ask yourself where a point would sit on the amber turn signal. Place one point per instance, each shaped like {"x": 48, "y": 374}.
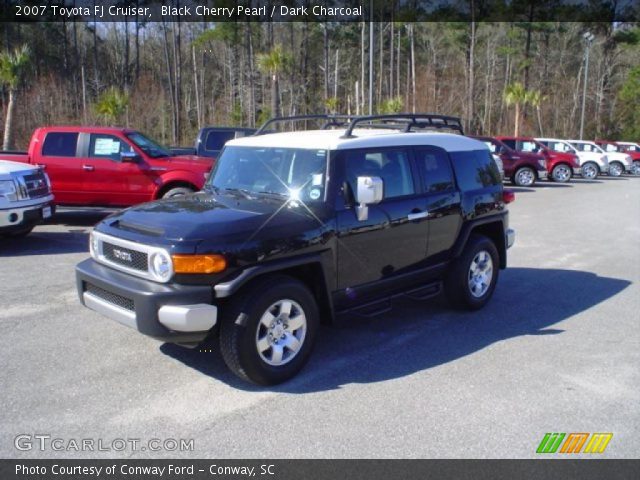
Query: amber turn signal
{"x": 198, "y": 263}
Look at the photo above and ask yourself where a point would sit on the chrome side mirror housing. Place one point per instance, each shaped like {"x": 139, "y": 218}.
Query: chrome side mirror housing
{"x": 369, "y": 192}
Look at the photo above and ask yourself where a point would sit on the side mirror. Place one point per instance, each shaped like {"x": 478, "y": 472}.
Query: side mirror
{"x": 129, "y": 157}
{"x": 370, "y": 191}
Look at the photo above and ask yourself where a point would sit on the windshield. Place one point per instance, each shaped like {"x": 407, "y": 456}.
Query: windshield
{"x": 588, "y": 147}
{"x": 151, "y": 148}
{"x": 529, "y": 146}
{"x": 558, "y": 146}
{"x": 296, "y": 173}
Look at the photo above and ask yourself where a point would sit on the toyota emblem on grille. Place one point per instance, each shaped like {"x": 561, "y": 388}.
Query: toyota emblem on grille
{"x": 126, "y": 256}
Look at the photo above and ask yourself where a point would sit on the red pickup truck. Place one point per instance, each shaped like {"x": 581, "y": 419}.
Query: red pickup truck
{"x": 561, "y": 165}
{"x": 116, "y": 167}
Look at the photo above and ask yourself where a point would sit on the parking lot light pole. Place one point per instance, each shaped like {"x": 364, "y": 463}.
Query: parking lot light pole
{"x": 588, "y": 40}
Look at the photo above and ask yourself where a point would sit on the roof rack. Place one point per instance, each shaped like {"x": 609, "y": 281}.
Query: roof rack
{"x": 407, "y": 121}
{"x": 395, "y": 121}
{"x": 331, "y": 121}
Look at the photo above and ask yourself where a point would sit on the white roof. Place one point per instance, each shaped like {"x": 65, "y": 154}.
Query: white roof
{"x": 546, "y": 139}
{"x": 582, "y": 141}
{"x": 7, "y": 166}
{"x": 629, "y": 143}
{"x": 363, "y": 138}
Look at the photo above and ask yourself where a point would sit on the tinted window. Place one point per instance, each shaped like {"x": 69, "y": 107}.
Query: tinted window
{"x": 510, "y": 143}
{"x": 391, "y": 165}
{"x": 107, "y": 146}
{"x": 216, "y": 140}
{"x": 475, "y": 169}
{"x": 435, "y": 170}
{"x": 60, "y": 144}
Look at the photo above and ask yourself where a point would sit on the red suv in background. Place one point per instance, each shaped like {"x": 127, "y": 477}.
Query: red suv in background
{"x": 522, "y": 168}
{"x": 560, "y": 165}
{"x": 632, "y": 150}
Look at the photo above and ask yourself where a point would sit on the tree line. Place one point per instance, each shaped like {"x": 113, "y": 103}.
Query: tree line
{"x": 171, "y": 78}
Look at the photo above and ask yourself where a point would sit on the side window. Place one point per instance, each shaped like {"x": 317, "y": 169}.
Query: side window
{"x": 475, "y": 169}
{"x": 435, "y": 170}
{"x": 216, "y": 140}
{"x": 60, "y": 144}
{"x": 391, "y": 165}
{"x": 107, "y": 146}
{"x": 510, "y": 143}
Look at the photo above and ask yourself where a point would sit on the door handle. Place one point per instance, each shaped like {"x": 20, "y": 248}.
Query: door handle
{"x": 88, "y": 168}
{"x": 418, "y": 215}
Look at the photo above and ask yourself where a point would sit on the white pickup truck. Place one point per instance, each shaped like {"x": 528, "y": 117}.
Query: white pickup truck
{"x": 25, "y": 198}
{"x": 592, "y": 161}
{"x": 618, "y": 162}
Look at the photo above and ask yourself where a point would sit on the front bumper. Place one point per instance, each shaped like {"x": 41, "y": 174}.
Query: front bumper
{"x": 543, "y": 174}
{"x": 171, "y": 313}
{"x": 577, "y": 170}
{"x": 19, "y": 218}
{"x": 510, "y": 237}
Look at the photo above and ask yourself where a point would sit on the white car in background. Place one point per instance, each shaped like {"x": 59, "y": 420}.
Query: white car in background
{"x": 618, "y": 162}
{"x": 592, "y": 162}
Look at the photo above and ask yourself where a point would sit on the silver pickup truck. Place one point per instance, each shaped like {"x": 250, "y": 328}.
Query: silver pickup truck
{"x": 25, "y": 198}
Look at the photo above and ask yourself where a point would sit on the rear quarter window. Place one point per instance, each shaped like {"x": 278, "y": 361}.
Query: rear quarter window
{"x": 475, "y": 169}
{"x": 60, "y": 144}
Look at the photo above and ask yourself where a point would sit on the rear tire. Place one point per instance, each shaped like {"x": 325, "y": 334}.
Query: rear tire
{"x": 267, "y": 332}
{"x": 635, "y": 168}
{"x": 590, "y": 170}
{"x": 472, "y": 278}
{"x": 177, "y": 192}
{"x": 524, "y": 177}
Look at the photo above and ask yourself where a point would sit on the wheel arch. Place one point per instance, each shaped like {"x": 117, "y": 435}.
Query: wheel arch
{"x": 165, "y": 187}
{"x": 491, "y": 228}
{"x": 309, "y": 270}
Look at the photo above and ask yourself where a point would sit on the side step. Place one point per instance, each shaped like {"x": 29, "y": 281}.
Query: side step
{"x": 384, "y": 305}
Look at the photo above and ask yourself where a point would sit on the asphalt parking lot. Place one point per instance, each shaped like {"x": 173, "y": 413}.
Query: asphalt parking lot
{"x": 557, "y": 350}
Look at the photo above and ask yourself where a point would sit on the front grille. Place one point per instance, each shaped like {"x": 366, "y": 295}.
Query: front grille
{"x": 125, "y": 256}
{"x": 36, "y": 184}
{"x": 110, "y": 297}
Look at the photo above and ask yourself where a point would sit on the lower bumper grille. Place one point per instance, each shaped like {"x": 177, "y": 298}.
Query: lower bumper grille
{"x": 110, "y": 297}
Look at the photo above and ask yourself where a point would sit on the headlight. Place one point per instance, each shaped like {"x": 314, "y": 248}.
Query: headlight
{"x": 47, "y": 179}
{"x": 94, "y": 245}
{"x": 160, "y": 265}
{"x": 543, "y": 163}
{"x": 8, "y": 190}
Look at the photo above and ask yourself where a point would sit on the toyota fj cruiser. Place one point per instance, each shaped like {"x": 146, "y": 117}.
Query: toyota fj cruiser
{"x": 292, "y": 229}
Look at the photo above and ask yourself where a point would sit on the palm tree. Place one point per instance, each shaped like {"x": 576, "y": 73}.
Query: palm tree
{"x": 516, "y": 94}
{"x": 13, "y": 67}
{"x": 274, "y": 63}
{"x": 111, "y": 105}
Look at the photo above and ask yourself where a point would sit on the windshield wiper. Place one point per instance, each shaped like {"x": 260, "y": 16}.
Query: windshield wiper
{"x": 279, "y": 194}
{"x": 245, "y": 193}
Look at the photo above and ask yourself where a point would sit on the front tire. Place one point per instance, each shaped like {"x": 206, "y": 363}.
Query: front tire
{"x": 635, "y": 168}
{"x": 615, "y": 169}
{"x": 472, "y": 279}
{"x": 524, "y": 177}
{"x": 267, "y": 333}
{"x": 590, "y": 170}
{"x": 561, "y": 173}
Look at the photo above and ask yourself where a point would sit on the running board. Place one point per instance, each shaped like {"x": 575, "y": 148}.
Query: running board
{"x": 378, "y": 307}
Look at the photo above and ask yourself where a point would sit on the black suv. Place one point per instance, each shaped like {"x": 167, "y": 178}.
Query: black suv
{"x": 294, "y": 228}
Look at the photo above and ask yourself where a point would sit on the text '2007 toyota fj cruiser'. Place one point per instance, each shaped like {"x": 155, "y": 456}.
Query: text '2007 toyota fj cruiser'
{"x": 294, "y": 228}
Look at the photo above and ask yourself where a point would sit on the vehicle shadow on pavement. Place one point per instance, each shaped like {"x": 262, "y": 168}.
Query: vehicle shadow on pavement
{"x": 78, "y": 218}
{"x": 416, "y": 336}
{"x": 46, "y": 243}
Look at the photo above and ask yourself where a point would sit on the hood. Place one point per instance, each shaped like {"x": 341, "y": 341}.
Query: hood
{"x": 191, "y": 161}
{"x": 209, "y": 219}
{"x": 7, "y": 167}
